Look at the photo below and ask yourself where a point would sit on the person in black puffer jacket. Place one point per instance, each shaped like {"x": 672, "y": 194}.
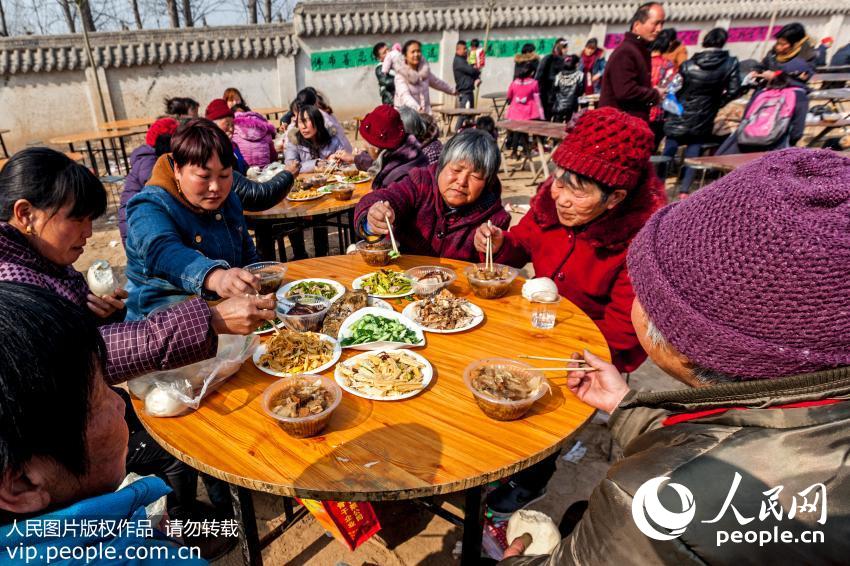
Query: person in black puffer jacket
{"x": 710, "y": 80}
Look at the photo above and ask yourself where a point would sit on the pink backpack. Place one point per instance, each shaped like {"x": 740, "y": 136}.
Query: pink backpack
{"x": 768, "y": 118}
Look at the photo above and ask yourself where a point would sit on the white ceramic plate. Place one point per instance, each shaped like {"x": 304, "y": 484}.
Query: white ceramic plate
{"x": 378, "y": 303}
{"x": 317, "y": 196}
{"x": 473, "y": 309}
{"x": 358, "y": 284}
{"x": 344, "y": 329}
{"x": 338, "y": 287}
{"x": 261, "y": 349}
{"x": 341, "y": 179}
{"x": 427, "y": 376}
{"x": 269, "y": 330}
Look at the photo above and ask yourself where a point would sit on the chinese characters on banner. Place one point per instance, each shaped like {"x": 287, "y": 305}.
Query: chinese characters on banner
{"x": 358, "y": 57}
{"x": 691, "y": 36}
{"x": 350, "y": 522}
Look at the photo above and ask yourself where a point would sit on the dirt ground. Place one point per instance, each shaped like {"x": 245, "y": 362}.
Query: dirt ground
{"x": 410, "y": 534}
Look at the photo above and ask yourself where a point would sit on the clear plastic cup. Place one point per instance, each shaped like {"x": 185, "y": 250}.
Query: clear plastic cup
{"x": 301, "y": 427}
{"x": 544, "y": 309}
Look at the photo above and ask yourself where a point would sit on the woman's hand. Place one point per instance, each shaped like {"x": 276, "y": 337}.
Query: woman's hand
{"x": 602, "y": 388}
{"x": 343, "y": 156}
{"x": 107, "y": 305}
{"x": 232, "y": 282}
{"x": 293, "y": 167}
{"x": 243, "y": 314}
{"x": 378, "y": 215}
{"x": 497, "y": 235}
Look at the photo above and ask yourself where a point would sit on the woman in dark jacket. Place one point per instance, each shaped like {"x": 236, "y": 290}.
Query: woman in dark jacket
{"x": 440, "y": 206}
{"x": 392, "y": 152}
{"x": 710, "y": 80}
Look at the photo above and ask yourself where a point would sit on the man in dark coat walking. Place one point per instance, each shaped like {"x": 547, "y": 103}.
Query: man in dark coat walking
{"x": 626, "y": 83}
{"x": 466, "y": 79}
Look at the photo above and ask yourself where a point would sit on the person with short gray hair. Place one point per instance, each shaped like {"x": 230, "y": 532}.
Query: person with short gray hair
{"x": 425, "y": 129}
{"x": 435, "y": 210}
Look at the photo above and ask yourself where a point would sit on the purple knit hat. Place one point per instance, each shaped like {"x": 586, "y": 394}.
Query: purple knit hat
{"x": 749, "y": 276}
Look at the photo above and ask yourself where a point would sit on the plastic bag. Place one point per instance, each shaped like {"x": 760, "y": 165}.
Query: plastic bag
{"x": 670, "y": 103}
{"x": 175, "y": 392}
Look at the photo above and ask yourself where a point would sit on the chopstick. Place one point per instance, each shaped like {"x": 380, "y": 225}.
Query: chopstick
{"x": 527, "y": 357}
{"x": 392, "y": 237}
{"x": 488, "y": 261}
{"x": 567, "y": 369}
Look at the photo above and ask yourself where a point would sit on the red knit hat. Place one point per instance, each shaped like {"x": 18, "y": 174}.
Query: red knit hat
{"x": 162, "y": 127}
{"x": 382, "y": 127}
{"x": 217, "y": 109}
{"x": 608, "y": 146}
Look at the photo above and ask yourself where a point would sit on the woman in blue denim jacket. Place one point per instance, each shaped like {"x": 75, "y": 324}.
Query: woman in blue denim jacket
{"x": 186, "y": 233}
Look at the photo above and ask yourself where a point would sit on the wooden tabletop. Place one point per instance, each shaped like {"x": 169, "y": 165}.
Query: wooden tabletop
{"x": 830, "y": 77}
{"x": 78, "y": 157}
{"x": 271, "y": 110}
{"x": 96, "y": 135}
{"x": 827, "y": 124}
{"x": 724, "y": 162}
{"x": 4, "y": 131}
{"x": 830, "y": 93}
{"x": 318, "y": 207}
{"x": 495, "y": 95}
{"x": 127, "y": 124}
{"x": 437, "y": 442}
{"x": 461, "y": 111}
{"x": 535, "y": 128}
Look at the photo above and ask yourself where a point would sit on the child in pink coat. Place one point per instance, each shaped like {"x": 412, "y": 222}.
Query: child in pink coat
{"x": 523, "y": 104}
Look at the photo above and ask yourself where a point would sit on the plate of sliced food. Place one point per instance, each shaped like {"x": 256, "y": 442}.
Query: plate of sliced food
{"x": 385, "y": 375}
{"x": 444, "y": 313}
{"x": 385, "y": 284}
{"x": 327, "y": 288}
{"x": 354, "y": 178}
{"x": 302, "y": 195}
{"x": 374, "y": 328}
{"x": 288, "y": 353}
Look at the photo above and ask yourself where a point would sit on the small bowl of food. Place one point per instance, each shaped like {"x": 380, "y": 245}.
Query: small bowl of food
{"x": 349, "y": 170}
{"x": 341, "y": 191}
{"x": 271, "y": 274}
{"x": 302, "y": 404}
{"x": 504, "y": 389}
{"x": 317, "y": 180}
{"x": 376, "y": 254}
{"x": 303, "y": 313}
{"x": 430, "y": 279}
{"x": 492, "y": 282}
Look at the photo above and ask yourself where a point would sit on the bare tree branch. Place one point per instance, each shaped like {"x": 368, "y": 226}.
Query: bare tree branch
{"x": 173, "y": 14}
{"x": 85, "y": 15}
{"x": 251, "y": 6}
{"x": 137, "y": 15}
{"x": 187, "y": 14}
{"x": 4, "y": 31}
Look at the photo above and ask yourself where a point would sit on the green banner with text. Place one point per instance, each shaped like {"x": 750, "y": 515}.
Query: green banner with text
{"x": 359, "y": 57}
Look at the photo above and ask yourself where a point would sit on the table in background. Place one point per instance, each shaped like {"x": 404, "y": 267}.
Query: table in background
{"x": 317, "y": 214}
{"x": 3, "y": 143}
{"x": 436, "y": 443}
{"x": 101, "y": 136}
{"x": 825, "y": 128}
{"x": 127, "y": 124}
{"x": 724, "y": 163}
{"x": 539, "y": 130}
{"x": 835, "y": 97}
{"x": 448, "y": 113}
{"x": 589, "y": 100}
{"x": 495, "y": 97}
{"x": 830, "y": 78}
{"x": 272, "y": 112}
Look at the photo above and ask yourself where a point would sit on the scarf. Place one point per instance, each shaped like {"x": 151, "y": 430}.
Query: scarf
{"x": 413, "y": 76}
{"x": 795, "y": 50}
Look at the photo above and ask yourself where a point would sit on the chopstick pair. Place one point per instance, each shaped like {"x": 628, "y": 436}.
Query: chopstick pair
{"x": 585, "y": 367}
{"x": 488, "y": 255}
{"x": 395, "y": 253}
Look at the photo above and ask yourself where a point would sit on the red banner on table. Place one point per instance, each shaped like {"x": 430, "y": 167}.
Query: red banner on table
{"x": 350, "y": 522}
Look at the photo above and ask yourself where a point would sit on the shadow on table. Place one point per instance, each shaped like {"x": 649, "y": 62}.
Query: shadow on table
{"x": 385, "y": 467}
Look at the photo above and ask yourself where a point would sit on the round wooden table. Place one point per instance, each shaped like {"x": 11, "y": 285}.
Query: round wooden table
{"x": 317, "y": 214}
{"x": 101, "y": 136}
{"x": 435, "y": 443}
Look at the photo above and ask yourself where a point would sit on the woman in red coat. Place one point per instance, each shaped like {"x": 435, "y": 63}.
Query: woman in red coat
{"x": 578, "y": 229}
{"x": 582, "y": 220}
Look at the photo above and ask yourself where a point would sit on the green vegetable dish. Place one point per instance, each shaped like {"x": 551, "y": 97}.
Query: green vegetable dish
{"x": 267, "y": 325}
{"x": 373, "y": 328}
{"x": 312, "y": 288}
{"x": 387, "y": 282}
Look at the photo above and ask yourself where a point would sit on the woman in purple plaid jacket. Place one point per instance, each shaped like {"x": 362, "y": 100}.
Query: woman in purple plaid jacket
{"x": 47, "y": 205}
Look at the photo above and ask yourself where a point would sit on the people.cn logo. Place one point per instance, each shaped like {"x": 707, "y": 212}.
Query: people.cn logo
{"x": 653, "y": 519}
